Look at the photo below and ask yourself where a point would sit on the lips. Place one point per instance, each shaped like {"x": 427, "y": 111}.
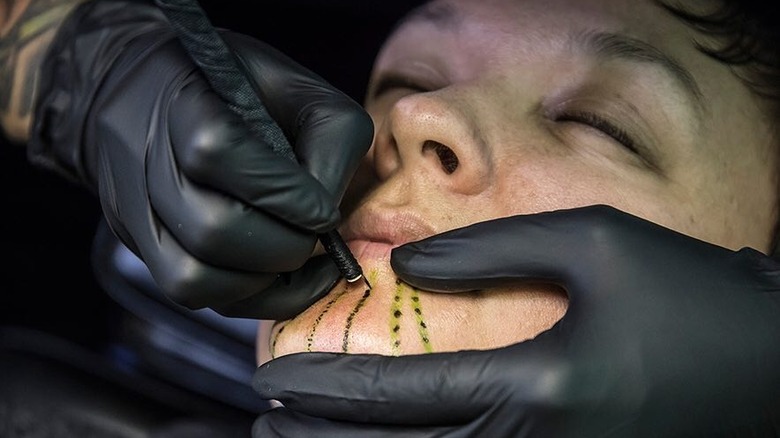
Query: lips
{"x": 373, "y": 233}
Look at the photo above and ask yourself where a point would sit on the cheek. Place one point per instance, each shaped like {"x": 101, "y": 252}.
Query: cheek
{"x": 496, "y": 318}
{"x": 732, "y": 220}
{"x": 736, "y": 206}
{"x": 707, "y": 207}
{"x": 545, "y": 184}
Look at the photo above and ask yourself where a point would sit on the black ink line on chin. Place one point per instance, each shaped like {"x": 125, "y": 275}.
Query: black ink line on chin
{"x": 351, "y": 317}
{"x": 313, "y": 329}
{"x": 276, "y": 336}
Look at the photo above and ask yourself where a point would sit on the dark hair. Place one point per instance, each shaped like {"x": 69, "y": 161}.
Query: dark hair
{"x": 745, "y": 35}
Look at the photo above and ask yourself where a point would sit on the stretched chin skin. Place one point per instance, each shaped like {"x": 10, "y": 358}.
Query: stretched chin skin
{"x": 393, "y": 318}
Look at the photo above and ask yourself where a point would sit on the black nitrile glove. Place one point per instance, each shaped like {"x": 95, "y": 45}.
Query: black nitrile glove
{"x": 213, "y": 212}
{"x": 665, "y": 336}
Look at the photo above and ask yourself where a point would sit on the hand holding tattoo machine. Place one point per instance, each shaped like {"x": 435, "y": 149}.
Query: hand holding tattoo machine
{"x": 213, "y": 56}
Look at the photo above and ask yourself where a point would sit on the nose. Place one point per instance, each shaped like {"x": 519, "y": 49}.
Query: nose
{"x": 434, "y": 137}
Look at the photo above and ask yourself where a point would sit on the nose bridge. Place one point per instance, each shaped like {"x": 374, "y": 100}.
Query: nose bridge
{"x": 436, "y": 136}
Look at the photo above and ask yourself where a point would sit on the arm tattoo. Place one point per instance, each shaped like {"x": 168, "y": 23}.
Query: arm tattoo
{"x": 26, "y": 29}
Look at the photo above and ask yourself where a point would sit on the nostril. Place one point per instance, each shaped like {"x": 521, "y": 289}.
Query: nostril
{"x": 447, "y": 158}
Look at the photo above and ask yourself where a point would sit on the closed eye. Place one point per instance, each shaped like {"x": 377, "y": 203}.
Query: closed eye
{"x": 602, "y": 124}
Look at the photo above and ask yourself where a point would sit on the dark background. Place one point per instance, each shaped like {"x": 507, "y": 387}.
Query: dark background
{"x": 47, "y": 224}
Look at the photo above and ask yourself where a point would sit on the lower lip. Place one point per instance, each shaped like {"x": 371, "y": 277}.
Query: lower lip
{"x": 370, "y": 250}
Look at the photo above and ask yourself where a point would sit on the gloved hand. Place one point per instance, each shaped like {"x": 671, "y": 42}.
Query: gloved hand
{"x": 665, "y": 336}
{"x": 214, "y": 213}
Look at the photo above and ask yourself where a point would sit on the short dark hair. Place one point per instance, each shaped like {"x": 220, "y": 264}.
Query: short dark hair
{"x": 745, "y": 35}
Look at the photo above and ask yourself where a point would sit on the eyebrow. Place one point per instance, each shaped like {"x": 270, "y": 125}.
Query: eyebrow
{"x": 614, "y": 46}
{"x": 605, "y": 45}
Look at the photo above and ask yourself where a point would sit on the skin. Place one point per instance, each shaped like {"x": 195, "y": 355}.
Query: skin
{"x": 504, "y": 86}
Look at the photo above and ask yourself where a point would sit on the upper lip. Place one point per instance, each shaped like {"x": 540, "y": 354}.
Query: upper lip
{"x": 394, "y": 227}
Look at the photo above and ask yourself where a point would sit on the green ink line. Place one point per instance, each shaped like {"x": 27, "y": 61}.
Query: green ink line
{"x": 395, "y": 319}
{"x": 313, "y": 329}
{"x": 351, "y": 317}
{"x": 422, "y": 327}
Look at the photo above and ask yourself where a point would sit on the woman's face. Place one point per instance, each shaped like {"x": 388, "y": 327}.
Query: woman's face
{"x": 492, "y": 108}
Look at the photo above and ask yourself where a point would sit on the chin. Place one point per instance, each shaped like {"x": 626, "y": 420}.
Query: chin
{"x": 394, "y": 318}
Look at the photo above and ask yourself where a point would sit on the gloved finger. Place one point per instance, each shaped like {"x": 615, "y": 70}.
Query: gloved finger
{"x": 282, "y": 422}
{"x": 331, "y": 140}
{"x": 183, "y": 278}
{"x": 330, "y": 131}
{"x": 216, "y": 149}
{"x": 190, "y": 282}
{"x": 194, "y": 284}
{"x": 422, "y": 390}
{"x": 555, "y": 247}
{"x": 218, "y": 229}
{"x": 290, "y": 294}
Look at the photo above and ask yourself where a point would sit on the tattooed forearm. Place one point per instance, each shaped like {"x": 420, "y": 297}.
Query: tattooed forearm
{"x": 26, "y": 29}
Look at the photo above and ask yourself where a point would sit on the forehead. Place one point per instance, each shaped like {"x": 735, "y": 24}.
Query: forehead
{"x": 630, "y": 12}
{"x": 494, "y": 26}
{"x": 465, "y": 39}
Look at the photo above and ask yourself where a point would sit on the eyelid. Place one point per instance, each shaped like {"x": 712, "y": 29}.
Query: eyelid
{"x": 602, "y": 124}
{"x": 620, "y": 113}
{"x": 614, "y": 130}
{"x": 390, "y": 81}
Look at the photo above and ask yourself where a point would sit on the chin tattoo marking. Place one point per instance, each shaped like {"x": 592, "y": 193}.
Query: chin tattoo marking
{"x": 406, "y": 299}
{"x": 395, "y": 318}
{"x": 359, "y": 305}
{"x": 403, "y": 291}
{"x": 272, "y": 347}
{"x": 422, "y": 327}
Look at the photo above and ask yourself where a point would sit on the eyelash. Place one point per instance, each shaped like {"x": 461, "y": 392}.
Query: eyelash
{"x": 602, "y": 125}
